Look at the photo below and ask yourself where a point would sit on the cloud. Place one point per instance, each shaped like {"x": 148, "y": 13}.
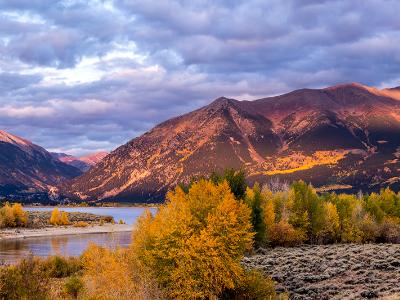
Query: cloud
{"x": 26, "y": 112}
{"x": 81, "y": 76}
{"x": 15, "y": 81}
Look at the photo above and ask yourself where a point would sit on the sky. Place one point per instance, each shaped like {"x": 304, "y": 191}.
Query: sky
{"x": 86, "y": 76}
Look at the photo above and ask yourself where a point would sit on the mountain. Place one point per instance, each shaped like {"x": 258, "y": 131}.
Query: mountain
{"x": 29, "y": 171}
{"x": 344, "y": 137}
{"x": 83, "y": 163}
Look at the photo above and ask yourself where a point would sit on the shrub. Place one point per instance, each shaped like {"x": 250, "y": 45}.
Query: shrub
{"x": 284, "y": 234}
{"x": 253, "y": 286}
{"x": 26, "y": 280}
{"x": 107, "y": 219}
{"x": 81, "y": 224}
{"x": 113, "y": 275}
{"x": 389, "y": 230}
{"x": 33, "y": 278}
{"x": 73, "y": 286}
{"x": 60, "y": 267}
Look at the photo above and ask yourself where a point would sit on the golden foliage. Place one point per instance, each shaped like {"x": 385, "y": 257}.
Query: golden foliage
{"x": 284, "y": 234}
{"x": 13, "y": 216}
{"x": 55, "y": 217}
{"x": 81, "y": 224}
{"x": 300, "y": 215}
{"x": 269, "y": 214}
{"x": 64, "y": 218}
{"x": 195, "y": 242}
{"x": 329, "y": 223}
{"x": 298, "y": 161}
{"x": 59, "y": 218}
{"x": 107, "y": 274}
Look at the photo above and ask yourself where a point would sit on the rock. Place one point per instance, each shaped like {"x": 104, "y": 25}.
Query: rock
{"x": 369, "y": 294}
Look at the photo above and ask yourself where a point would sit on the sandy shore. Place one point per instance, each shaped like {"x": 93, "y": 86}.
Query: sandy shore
{"x": 21, "y": 233}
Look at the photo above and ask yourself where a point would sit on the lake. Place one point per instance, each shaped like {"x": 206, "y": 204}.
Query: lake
{"x": 127, "y": 214}
{"x": 71, "y": 245}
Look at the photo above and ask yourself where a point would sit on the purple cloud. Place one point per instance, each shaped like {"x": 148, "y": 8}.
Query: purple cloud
{"x": 80, "y": 76}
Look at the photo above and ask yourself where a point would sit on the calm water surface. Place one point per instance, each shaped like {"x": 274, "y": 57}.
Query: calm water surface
{"x": 127, "y": 214}
{"x": 71, "y": 245}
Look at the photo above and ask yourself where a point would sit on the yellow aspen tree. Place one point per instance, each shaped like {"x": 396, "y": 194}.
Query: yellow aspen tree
{"x": 64, "y": 218}
{"x": 8, "y": 216}
{"x": 269, "y": 216}
{"x": 55, "y": 217}
{"x": 20, "y": 216}
{"x": 195, "y": 243}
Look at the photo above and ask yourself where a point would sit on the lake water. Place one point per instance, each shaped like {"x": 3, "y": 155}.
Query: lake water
{"x": 71, "y": 245}
{"x": 127, "y": 214}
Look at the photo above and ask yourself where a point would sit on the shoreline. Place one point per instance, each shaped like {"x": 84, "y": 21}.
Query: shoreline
{"x": 114, "y": 205}
{"x": 23, "y": 233}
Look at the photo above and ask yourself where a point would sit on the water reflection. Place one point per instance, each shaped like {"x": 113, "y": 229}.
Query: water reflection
{"x": 72, "y": 245}
{"x": 67, "y": 245}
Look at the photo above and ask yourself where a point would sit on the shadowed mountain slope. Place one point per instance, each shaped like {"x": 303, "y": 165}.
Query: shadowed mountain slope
{"x": 28, "y": 170}
{"x": 83, "y": 163}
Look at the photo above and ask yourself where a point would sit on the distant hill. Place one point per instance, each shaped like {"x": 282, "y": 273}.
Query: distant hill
{"x": 29, "y": 172}
{"x": 83, "y": 163}
{"x": 345, "y": 137}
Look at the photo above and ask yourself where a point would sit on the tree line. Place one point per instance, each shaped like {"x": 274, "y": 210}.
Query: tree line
{"x": 193, "y": 246}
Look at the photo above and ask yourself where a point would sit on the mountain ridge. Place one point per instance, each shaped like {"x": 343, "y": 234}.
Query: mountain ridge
{"x": 307, "y": 132}
{"x": 84, "y": 162}
{"x": 28, "y": 171}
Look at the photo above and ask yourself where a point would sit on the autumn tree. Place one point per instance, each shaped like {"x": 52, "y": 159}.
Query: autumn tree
{"x": 55, "y": 217}
{"x": 195, "y": 242}
{"x": 13, "y": 215}
{"x": 327, "y": 223}
{"x": 64, "y": 218}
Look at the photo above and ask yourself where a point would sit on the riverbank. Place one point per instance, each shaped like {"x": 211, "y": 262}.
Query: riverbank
{"x": 22, "y": 233}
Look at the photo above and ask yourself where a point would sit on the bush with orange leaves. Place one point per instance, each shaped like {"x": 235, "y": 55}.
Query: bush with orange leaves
{"x": 13, "y": 215}
{"x": 194, "y": 244}
{"x": 59, "y": 218}
{"x": 112, "y": 275}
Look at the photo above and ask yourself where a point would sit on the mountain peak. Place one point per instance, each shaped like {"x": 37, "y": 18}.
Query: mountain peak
{"x": 26, "y": 168}
{"x": 13, "y": 139}
{"x": 222, "y": 101}
{"x": 303, "y": 134}
{"x": 83, "y": 163}
{"x": 19, "y": 142}
{"x": 348, "y": 85}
